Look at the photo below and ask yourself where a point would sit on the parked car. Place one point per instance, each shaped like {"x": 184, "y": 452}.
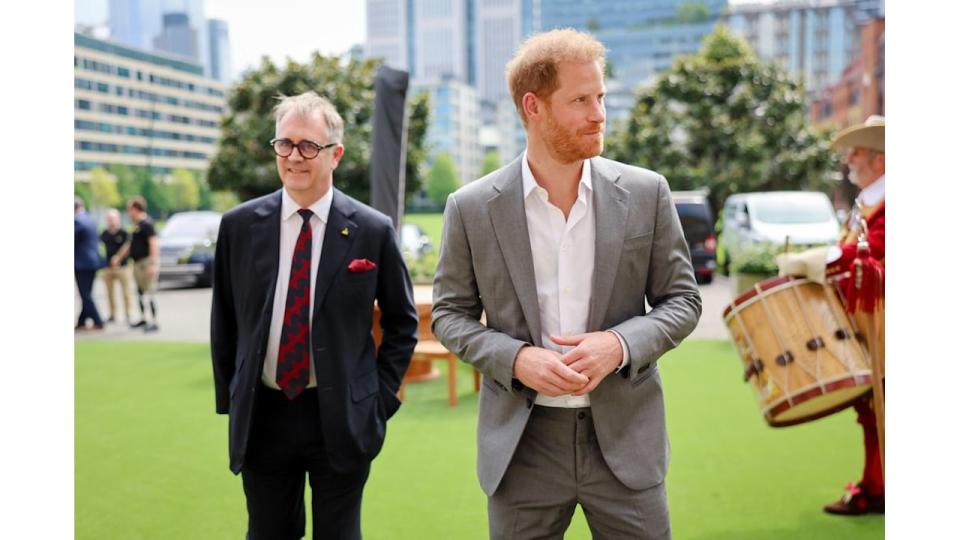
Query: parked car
{"x": 696, "y": 218}
{"x": 414, "y": 242}
{"x": 768, "y": 218}
{"x": 187, "y": 242}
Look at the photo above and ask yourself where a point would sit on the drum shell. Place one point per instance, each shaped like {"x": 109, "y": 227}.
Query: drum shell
{"x": 811, "y": 363}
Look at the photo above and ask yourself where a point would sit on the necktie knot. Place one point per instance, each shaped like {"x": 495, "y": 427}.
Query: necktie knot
{"x": 306, "y": 214}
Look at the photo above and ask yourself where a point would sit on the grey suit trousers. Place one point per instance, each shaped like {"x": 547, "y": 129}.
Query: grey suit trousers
{"x": 557, "y": 465}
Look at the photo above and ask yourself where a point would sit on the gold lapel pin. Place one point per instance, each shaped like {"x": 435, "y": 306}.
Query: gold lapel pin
{"x": 345, "y": 231}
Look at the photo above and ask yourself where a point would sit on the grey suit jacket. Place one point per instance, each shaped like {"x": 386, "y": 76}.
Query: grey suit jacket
{"x": 486, "y": 266}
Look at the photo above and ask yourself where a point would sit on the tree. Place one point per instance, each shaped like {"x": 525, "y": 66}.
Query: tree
{"x": 693, "y": 12}
{"x": 129, "y": 182}
{"x": 491, "y": 162}
{"x": 103, "y": 189}
{"x": 417, "y": 123}
{"x": 205, "y": 195}
{"x": 442, "y": 180}
{"x": 82, "y": 190}
{"x": 184, "y": 192}
{"x": 157, "y": 195}
{"x": 720, "y": 119}
{"x": 245, "y": 163}
{"x": 221, "y": 201}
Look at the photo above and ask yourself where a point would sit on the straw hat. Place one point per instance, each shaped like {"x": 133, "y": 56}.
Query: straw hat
{"x": 866, "y": 135}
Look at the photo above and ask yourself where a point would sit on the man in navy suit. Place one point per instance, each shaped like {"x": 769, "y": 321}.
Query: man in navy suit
{"x": 86, "y": 262}
{"x": 308, "y": 393}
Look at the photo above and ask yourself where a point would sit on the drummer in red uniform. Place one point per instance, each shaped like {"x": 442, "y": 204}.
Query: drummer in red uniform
{"x": 863, "y": 149}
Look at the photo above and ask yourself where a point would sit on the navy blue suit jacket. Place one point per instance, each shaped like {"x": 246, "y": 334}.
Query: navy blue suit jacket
{"x": 356, "y": 382}
{"x": 86, "y": 256}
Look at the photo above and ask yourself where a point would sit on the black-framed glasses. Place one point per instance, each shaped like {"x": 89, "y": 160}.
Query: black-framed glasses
{"x": 307, "y": 149}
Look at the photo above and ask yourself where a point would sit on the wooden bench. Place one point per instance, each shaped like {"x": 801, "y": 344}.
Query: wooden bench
{"x": 429, "y": 350}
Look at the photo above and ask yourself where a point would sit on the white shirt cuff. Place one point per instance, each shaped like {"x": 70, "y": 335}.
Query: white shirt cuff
{"x": 623, "y": 346}
{"x": 833, "y": 254}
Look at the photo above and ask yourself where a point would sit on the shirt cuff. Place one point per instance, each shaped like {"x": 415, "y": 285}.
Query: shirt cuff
{"x": 833, "y": 254}
{"x": 623, "y": 346}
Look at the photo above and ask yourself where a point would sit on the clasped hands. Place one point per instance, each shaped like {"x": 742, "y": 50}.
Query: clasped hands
{"x": 594, "y": 356}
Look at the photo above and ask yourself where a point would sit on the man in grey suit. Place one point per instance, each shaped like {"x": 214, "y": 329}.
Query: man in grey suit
{"x": 559, "y": 249}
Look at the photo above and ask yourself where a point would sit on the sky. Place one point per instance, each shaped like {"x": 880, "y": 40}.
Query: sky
{"x": 257, "y": 28}
{"x": 296, "y": 30}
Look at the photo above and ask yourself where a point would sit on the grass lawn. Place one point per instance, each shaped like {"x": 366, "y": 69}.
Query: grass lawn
{"x": 432, "y": 225}
{"x": 151, "y": 456}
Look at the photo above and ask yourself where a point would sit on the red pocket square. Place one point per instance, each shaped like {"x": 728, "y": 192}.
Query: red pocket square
{"x": 361, "y": 265}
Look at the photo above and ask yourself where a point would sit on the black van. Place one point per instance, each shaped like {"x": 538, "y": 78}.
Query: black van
{"x": 696, "y": 218}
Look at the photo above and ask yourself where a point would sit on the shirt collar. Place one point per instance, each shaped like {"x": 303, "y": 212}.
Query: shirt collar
{"x": 320, "y": 208}
{"x": 530, "y": 183}
{"x": 872, "y": 194}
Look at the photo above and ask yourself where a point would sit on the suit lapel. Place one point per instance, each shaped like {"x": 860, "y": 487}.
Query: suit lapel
{"x": 337, "y": 239}
{"x": 510, "y": 226}
{"x": 265, "y": 246}
{"x": 610, "y": 209}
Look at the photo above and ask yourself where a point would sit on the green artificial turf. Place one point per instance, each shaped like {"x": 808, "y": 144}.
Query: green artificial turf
{"x": 432, "y": 225}
{"x": 151, "y": 456}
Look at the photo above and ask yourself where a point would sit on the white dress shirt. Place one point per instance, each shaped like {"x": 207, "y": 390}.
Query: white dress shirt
{"x": 869, "y": 196}
{"x": 290, "y": 224}
{"x": 563, "y": 259}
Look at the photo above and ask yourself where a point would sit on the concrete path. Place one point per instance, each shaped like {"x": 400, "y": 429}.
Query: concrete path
{"x": 185, "y": 314}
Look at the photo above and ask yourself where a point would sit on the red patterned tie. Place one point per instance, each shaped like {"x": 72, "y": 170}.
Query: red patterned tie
{"x": 293, "y": 359}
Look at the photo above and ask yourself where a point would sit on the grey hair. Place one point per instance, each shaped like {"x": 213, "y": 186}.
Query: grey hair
{"x": 305, "y": 104}
{"x": 77, "y": 203}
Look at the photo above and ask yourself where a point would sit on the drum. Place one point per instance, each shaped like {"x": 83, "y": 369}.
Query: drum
{"x": 800, "y": 351}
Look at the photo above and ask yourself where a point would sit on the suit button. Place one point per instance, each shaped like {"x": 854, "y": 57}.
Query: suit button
{"x": 581, "y": 415}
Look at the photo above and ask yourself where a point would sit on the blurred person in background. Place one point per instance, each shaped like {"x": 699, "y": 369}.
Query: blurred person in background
{"x": 144, "y": 249}
{"x": 86, "y": 262}
{"x": 114, "y": 237}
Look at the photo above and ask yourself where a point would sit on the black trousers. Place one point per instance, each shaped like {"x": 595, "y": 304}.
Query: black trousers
{"x": 88, "y": 309}
{"x": 286, "y": 445}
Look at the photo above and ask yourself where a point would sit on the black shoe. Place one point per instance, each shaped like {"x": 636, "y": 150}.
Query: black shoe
{"x": 138, "y": 324}
{"x": 151, "y": 328}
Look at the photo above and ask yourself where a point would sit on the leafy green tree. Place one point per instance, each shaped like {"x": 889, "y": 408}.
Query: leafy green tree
{"x": 692, "y": 12}
{"x": 184, "y": 192}
{"x": 221, "y": 201}
{"x": 158, "y": 197}
{"x": 442, "y": 180}
{"x": 245, "y": 163}
{"x": 491, "y": 162}
{"x": 103, "y": 189}
{"x": 418, "y": 120}
{"x": 82, "y": 190}
{"x": 721, "y": 119}
{"x": 205, "y": 195}
{"x": 128, "y": 182}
